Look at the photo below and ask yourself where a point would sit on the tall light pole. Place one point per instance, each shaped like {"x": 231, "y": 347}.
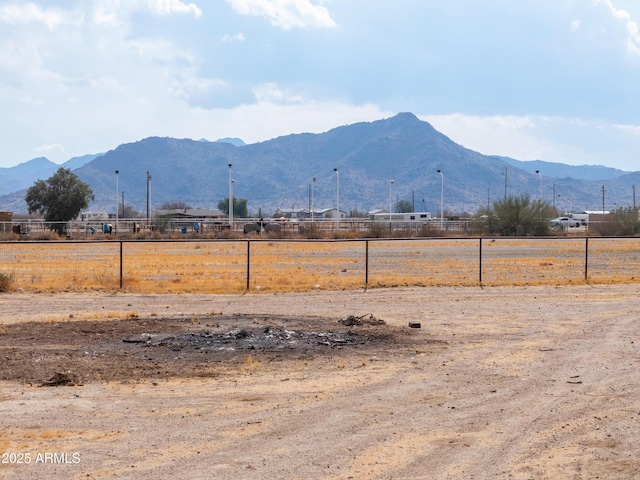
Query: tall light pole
{"x": 148, "y": 193}
{"x": 390, "y": 208}
{"x": 117, "y": 201}
{"x": 441, "y": 199}
{"x": 539, "y": 194}
{"x": 312, "y": 186}
{"x": 230, "y": 199}
{"x": 337, "y": 197}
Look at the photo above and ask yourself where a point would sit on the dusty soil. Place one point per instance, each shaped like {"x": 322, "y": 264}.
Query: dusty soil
{"x": 78, "y": 352}
{"x": 513, "y": 383}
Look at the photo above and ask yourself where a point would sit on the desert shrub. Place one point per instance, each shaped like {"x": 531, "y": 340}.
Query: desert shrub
{"x": 378, "y": 230}
{"x": 9, "y": 237}
{"x": 515, "y": 216}
{"x": 44, "y": 235}
{"x": 350, "y": 234}
{"x": 234, "y": 235}
{"x": 428, "y": 230}
{"x": 622, "y": 222}
{"x": 343, "y": 234}
{"x": 5, "y": 282}
{"x": 161, "y": 224}
{"x": 310, "y": 230}
{"x": 274, "y": 235}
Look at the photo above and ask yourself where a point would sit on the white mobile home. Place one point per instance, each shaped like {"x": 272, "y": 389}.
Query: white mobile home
{"x": 401, "y": 217}
{"x": 94, "y": 217}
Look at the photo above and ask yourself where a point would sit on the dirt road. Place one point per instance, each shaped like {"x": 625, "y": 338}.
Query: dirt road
{"x": 507, "y": 383}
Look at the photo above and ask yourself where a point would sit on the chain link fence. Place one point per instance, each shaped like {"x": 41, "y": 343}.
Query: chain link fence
{"x": 236, "y": 266}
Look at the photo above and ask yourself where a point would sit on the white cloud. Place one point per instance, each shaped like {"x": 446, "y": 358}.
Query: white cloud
{"x": 38, "y": 102}
{"x": 107, "y": 84}
{"x": 159, "y": 49}
{"x": 287, "y": 14}
{"x": 573, "y": 141}
{"x": 633, "y": 32}
{"x": 274, "y": 94}
{"x": 265, "y": 120}
{"x": 15, "y": 13}
{"x": 54, "y": 152}
{"x": 105, "y": 17}
{"x": 92, "y": 74}
{"x": 167, "y": 7}
{"x": 238, "y": 37}
{"x": 195, "y": 89}
{"x": 630, "y": 129}
{"x": 106, "y": 13}
{"x": 115, "y": 13}
{"x": 512, "y": 136}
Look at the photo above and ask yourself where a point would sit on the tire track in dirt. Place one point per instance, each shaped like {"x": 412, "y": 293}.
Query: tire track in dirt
{"x": 501, "y": 399}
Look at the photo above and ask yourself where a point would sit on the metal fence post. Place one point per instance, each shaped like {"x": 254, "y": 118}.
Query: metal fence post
{"x": 366, "y": 264}
{"x": 480, "y": 261}
{"x": 248, "y": 263}
{"x": 120, "y": 264}
{"x": 586, "y": 258}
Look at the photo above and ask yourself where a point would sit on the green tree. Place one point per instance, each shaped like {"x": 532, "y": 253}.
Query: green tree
{"x": 404, "y": 206}
{"x": 239, "y": 207}
{"x": 620, "y": 223}
{"x": 60, "y": 198}
{"x": 127, "y": 211}
{"x": 515, "y": 216}
{"x": 175, "y": 205}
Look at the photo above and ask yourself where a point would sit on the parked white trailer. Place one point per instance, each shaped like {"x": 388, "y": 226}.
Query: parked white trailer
{"x": 402, "y": 217}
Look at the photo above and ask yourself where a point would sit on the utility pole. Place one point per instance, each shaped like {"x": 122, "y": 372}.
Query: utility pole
{"x": 312, "y": 205}
{"x": 148, "y": 194}
{"x": 337, "y": 198}
{"x": 117, "y": 172}
{"x": 230, "y": 199}
{"x": 390, "y": 208}
{"x": 506, "y": 177}
{"x": 603, "y": 199}
{"x": 634, "y": 197}
{"x": 441, "y": 198}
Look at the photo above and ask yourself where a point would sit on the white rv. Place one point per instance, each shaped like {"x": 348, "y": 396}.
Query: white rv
{"x": 401, "y": 217}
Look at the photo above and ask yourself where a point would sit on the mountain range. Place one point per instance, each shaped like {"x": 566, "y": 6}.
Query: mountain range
{"x": 353, "y": 165}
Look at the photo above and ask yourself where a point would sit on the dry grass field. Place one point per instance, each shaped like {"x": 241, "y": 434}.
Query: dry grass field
{"x": 286, "y": 266}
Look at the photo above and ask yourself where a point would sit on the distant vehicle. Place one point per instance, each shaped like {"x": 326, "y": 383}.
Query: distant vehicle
{"x": 565, "y": 222}
{"x": 583, "y": 218}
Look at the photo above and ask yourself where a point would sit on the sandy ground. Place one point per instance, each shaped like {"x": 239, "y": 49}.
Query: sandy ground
{"x": 507, "y": 383}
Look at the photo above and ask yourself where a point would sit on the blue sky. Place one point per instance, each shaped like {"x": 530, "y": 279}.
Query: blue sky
{"x": 556, "y": 80}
